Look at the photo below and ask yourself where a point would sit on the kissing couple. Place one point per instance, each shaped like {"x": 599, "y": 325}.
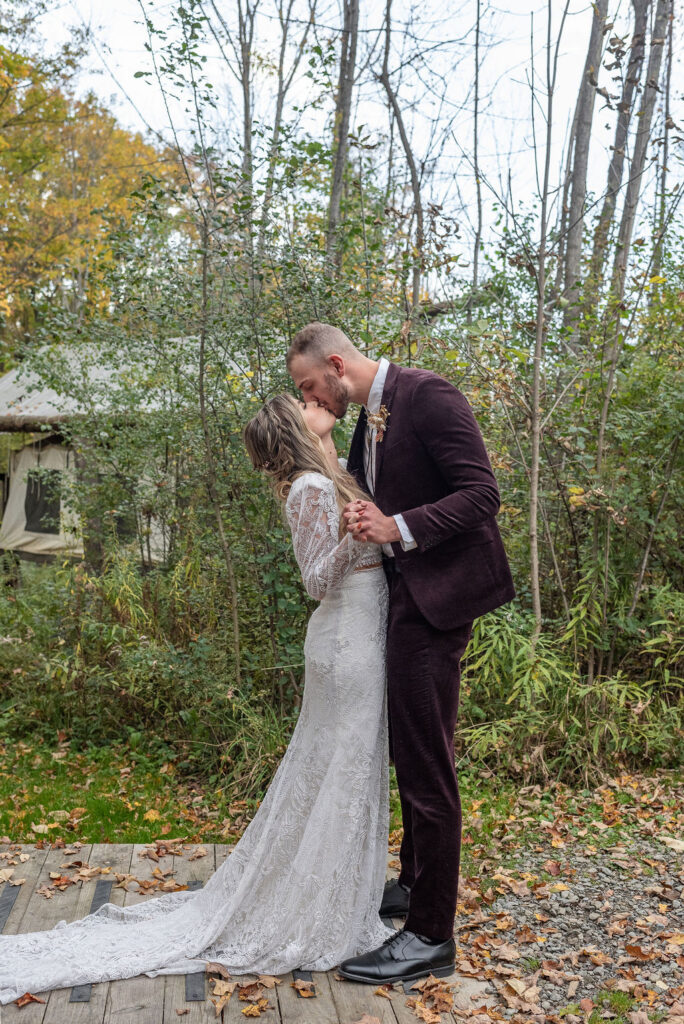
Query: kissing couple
{"x": 400, "y": 547}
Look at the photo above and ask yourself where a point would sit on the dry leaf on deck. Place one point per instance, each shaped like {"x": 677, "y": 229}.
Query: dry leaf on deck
{"x": 28, "y": 997}
{"x": 305, "y": 988}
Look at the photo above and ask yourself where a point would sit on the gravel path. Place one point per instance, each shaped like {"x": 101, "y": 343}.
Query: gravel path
{"x": 591, "y": 921}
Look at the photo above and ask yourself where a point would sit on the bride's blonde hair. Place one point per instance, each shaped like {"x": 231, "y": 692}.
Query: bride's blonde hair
{"x": 280, "y": 443}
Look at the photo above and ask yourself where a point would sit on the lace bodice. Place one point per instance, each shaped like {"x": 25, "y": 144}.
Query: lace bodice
{"x": 324, "y": 560}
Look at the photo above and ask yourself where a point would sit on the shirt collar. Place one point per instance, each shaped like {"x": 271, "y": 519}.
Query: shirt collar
{"x": 377, "y": 387}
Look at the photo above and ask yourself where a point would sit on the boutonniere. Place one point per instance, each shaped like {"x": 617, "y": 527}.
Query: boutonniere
{"x": 378, "y": 420}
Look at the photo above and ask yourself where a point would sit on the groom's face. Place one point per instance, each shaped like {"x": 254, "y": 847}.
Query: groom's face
{"x": 322, "y": 382}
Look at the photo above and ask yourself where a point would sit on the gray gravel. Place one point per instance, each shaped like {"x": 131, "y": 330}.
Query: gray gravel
{"x": 601, "y": 891}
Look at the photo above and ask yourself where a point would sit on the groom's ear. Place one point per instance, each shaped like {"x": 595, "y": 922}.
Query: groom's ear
{"x": 337, "y": 364}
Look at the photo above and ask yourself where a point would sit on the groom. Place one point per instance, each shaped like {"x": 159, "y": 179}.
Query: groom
{"x": 418, "y": 451}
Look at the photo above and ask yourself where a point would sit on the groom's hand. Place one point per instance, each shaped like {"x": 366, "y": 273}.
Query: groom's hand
{"x": 366, "y": 522}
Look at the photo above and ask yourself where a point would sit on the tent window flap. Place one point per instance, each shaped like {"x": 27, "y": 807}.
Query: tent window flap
{"x": 42, "y": 504}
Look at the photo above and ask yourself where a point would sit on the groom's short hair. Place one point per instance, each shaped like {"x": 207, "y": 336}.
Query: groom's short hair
{"x": 317, "y": 341}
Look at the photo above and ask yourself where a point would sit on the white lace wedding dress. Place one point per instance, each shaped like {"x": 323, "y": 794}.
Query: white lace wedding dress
{"x": 303, "y": 886}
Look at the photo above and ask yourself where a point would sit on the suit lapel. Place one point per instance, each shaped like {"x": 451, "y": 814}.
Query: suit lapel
{"x": 387, "y": 398}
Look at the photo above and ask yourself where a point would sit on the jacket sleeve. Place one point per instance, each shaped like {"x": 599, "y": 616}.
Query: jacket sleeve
{"x": 444, "y": 423}
{"x": 314, "y": 518}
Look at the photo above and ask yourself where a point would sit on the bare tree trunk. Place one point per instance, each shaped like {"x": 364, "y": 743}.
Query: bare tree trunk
{"x": 384, "y": 78}
{"x": 667, "y": 126}
{"x": 615, "y": 170}
{"x": 209, "y": 453}
{"x": 643, "y": 136}
{"x": 341, "y": 130}
{"x": 476, "y": 167}
{"x": 541, "y": 325}
{"x": 584, "y": 116}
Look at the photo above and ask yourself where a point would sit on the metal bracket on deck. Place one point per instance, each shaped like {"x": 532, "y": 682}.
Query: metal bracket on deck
{"x": 302, "y": 976}
{"x": 7, "y": 900}
{"x": 103, "y": 890}
{"x": 195, "y": 983}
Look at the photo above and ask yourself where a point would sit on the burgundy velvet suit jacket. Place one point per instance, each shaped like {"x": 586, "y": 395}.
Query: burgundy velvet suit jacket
{"x": 432, "y": 466}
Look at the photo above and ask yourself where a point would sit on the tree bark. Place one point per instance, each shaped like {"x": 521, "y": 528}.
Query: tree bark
{"x": 643, "y": 136}
{"x": 584, "y": 115}
{"x": 384, "y": 78}
{"x": 615, "y": 169}
{"x": 667, "y": 126}
{"x": 476, "y": 167}
{"x": 211, "y": 475}
{"x": 541, "y": 327}
{"x": 341, "y": 129}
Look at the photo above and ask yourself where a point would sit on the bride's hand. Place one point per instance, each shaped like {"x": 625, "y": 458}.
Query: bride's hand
{"x": 366, "y": 522}
{"x": 351, "y": 514}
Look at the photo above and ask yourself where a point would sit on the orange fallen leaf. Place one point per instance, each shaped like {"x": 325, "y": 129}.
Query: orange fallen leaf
{"x": 305, "y": 988}
{"x": 28, "y": 997}
{"x": 383, "y": 992}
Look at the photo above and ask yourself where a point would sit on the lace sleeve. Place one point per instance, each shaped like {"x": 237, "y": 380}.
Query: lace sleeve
{"x": 313, "y": 516}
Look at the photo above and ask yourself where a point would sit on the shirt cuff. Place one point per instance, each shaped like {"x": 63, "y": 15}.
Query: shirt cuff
{"x": 407, "y": 541}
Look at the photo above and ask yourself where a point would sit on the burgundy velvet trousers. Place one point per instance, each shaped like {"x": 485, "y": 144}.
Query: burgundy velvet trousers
{"x": 423, "y": 686}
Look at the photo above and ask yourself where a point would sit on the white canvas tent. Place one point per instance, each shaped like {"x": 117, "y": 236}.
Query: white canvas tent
{"x": 35, "y": 522}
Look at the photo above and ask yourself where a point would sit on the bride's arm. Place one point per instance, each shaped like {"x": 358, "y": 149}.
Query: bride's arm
{"x": 311, "y": 510}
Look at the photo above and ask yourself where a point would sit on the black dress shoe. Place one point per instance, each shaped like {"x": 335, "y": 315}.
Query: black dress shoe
{"x": 395, "y": 900}
{"x": 405, "y": 956}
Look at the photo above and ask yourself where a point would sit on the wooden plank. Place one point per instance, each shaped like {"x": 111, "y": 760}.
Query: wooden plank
{"x": 353, "y": 999}
{"x": 138, "y": 1000}
{"x": 295, "y": 1010}
{"x": 181, "y": 990}
{"x": 41, "y": 914}
{"x": 62, "y": 1006}
{"x": 20, "y": 894}
{"x": 221, "y": 851}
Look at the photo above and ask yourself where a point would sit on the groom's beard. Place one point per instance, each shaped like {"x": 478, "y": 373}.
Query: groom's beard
{"x": 339, "y": 399}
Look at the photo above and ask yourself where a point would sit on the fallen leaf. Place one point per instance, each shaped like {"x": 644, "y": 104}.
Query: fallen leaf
{"x": 268, "y": 981}
{"x": 250, "y": 992}
{"x": 28, "y": 997}
{"x": 675, "y": 844}
{"x": 639, "y": 1017}
{"x": 214, "y": 968}
{"x": 384, "y": 992}
{"x": 305, "y": 988}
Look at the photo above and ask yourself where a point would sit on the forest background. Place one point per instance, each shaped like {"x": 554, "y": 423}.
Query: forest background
{"x": 368, "y": 167}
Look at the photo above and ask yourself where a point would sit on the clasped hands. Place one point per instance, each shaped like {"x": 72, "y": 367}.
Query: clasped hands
{"x": 366, "y": 522}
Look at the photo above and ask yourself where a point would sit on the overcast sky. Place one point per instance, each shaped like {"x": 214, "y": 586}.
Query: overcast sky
{"x": 444, "y": 31}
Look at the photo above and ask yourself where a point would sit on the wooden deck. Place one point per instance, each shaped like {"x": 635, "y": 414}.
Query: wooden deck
{"x": 161, "y": 1000}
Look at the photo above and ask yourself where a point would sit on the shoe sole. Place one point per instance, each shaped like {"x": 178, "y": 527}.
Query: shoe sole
{"x": 437, "y": 972}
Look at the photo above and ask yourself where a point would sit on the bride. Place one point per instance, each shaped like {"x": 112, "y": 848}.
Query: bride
{"x": 303, "y": 886}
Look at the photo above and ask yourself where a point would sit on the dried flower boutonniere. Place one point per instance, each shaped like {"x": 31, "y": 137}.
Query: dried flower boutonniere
{"x": 378, "y": 420}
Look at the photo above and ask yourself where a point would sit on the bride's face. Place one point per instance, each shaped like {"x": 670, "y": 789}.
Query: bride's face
{"x": 317, "y": 418}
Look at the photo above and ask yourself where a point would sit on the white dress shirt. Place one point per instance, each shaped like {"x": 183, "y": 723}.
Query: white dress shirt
{"x": 369, "y": 453}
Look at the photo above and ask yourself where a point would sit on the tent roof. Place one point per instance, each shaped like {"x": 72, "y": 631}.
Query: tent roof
{"x": 27, "y": 404}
